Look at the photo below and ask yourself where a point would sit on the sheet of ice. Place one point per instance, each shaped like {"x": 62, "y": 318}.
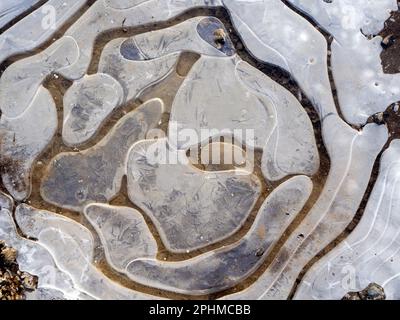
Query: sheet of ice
{"x": 370, "y": 254}
{"x": 36, "y": 28}
{"x": 35, "y": 220}
{"x": 76, "y": 179}
{"x": 344, "y": 18}
{"x": 20, "y": 82}
{"x": 123, "y": 232}
{"x": 64, "y": 243}
{"x": 352, "y": 157}
{"x": 291, "y": 147}
{"x": 241, "y": 101}
{"x": 86, "y": 105}
{"x": 195, "y": 35}
{"x": 189, "y": 207}
{"x": 103, "y": 16}
{"x": 36, "y": 260}
{"x": 10, "y": 9}
{"x": 275, "y": 34}
{"x": 137, "y": 63}
{"x": 363, "y": 88}
{"x": 223, "y": 268}
{"x": 134, "y": 75}
{"x": 23, "y": 139}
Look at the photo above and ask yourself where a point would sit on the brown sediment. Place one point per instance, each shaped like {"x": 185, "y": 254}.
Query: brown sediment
{"x": 391, "y": 44}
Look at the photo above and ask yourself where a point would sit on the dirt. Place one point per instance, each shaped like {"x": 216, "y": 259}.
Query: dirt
{"x": 372, "y": 292}
{"x": 391, "y": 44}
{"x": 13, "y": 282}
{"x": 166, "y": 90}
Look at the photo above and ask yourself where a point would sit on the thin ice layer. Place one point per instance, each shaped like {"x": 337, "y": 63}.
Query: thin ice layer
{"x": 87, "y": 103}
{"x": 352, "y": 154}
{"x": 189, "y": 207}
{"x": 23, "y": 139}
{"x": 223, "y": 268}
{"x": 370, "y": 254}
{"x": 36, "y": 260}
{"x": 65, "y": 246}
{"x": 21, "y": 81}
{"x": 123, "y": 232}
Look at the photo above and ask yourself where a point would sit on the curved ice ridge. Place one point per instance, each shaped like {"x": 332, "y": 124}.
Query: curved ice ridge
{"x": 370, "y": 254}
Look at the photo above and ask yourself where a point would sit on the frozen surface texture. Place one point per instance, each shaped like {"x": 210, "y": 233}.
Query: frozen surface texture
{"x": 76, "y": 179}
{"x": 86, "y": 104}
{"x": 352, "y": 157}
{"x": 363, "y": 88}
{"x": 35, "y": 29}
{"x": 23, "y": 139}
{"x": 123, "y": 232}
{"x": 118, "y": 119}
{"x": 227, "y": 266}
{"x": 71, "y": 246}
{"x": 370, "y": 253}
{"x": 10, "y": 9}
{"x": 190, "y": 208}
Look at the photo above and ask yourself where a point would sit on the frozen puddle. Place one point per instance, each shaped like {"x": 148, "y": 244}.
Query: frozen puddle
{"x": 256, "y": 160}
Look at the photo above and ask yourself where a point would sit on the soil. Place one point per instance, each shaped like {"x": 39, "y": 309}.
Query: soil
{"x": 13, "y": 282}
{"x": 166, "y": 90}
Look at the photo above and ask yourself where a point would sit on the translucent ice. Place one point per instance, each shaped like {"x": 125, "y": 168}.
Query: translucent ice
{"x": 37, "y": 27}
{"x": 36, "y": 260}
{"x": 189, "y": 207}
{"x": 20, "y": 82}
{"x": 275, "y": 34}
{"x": 103, "y": 16}
{"x": 352, "y": 156}
{"x": 227, "y": 266}
{"x": 6, "y": 202}
{"x": 74, "y": 180}
{"x": 238, "y": 99}
{"x": 64, "y": 243}
{"x": 23, "y": 139}
{"x": 123, "y": 232}
{"x": 370, "y": 254}
{"x": 86, "y": 104}
{"x": 363, "y": 88}
{"x": 10, "y": 9}
{"x": 290, "y": 147}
